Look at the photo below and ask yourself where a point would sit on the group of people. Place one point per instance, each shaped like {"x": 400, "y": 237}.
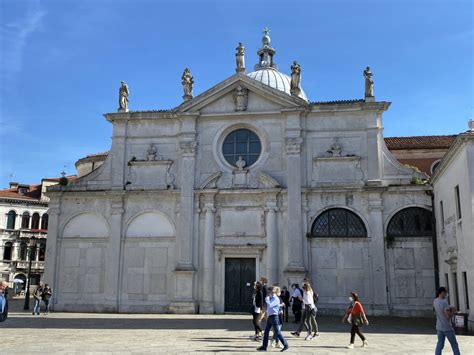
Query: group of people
{"x": 272, "y": 303}
{"x": 42, "y": 293}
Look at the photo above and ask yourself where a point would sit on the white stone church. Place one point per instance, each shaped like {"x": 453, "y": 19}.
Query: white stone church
{"x": 248, "y": 179}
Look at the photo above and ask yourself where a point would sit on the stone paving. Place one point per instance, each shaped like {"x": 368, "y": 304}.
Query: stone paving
{"x": 24, "y": 333}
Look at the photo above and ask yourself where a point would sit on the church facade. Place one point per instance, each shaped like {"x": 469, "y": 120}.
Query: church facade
{"x": 247, "y": 179}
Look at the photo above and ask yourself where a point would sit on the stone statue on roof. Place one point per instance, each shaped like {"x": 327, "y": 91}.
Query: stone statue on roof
{"x": 295, "y": 87}
{"x": 123, "y": 97}
{"x": 187, "y": 80}
{"x": 369, "y": 83}
{"x": 240, "y": 59}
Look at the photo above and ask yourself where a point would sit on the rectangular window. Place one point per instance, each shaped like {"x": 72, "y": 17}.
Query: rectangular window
{"x": 441, "y": 213}
{"x": 466, "y": 290}
{"x": 456, "y": 290}
{"x": 446, "y": 279}
{"x": 458, "y": 201}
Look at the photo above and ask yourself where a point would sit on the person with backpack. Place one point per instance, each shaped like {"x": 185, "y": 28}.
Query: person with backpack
{"x": 47, "y": 294}
{"x": 37, "y": 295}
{"x": 297, "y": 302}
{"x": 355, "y": 315}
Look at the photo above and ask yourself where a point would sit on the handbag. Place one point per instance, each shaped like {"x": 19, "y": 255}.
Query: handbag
{"x": 358, "y": 320}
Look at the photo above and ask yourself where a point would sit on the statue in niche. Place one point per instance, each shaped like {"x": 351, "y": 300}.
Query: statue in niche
{"x": 123, "y": 97}
{"x": 369, "y": 83}
{"x": 240, "y": 59}
{"x": 240, "y": 164}
{"x": 240, "y": 98}
{"x": 335, "y": 150}
{"x": 151, "y": 153}
{"x": 295, "y": 79}
{"x": 187, "y": 80}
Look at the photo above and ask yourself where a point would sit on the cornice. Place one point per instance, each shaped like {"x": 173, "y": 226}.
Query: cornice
{"x": 453, "y": 151}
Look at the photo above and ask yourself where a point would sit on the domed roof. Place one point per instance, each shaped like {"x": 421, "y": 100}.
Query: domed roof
{"x": 266, "y": 70}
{"x": 275, "y": 79}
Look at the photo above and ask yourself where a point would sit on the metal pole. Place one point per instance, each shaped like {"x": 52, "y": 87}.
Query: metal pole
{"x": 26, "y": 307}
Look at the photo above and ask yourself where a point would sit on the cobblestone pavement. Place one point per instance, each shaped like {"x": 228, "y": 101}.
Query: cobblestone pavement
{"x": 189, "y": 334}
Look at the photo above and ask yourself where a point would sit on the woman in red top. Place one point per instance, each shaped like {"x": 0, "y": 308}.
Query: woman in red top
{"x": 355, "y": 315}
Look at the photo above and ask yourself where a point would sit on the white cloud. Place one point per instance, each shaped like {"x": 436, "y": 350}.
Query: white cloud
{"x": 14, "y": 38}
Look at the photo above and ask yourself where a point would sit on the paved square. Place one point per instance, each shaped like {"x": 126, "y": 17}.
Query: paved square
{"x": 186, "y": 334}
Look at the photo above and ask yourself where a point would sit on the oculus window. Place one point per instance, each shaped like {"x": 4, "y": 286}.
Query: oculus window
{"x": 241, "y": 143}
{"x": 411, "y": 222}
{"x": 338, "y": 222}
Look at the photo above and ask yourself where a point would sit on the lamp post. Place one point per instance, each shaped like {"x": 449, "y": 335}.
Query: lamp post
{"x": 27, "y": 294}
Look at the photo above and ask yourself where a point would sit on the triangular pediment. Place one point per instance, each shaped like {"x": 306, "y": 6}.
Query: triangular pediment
{"x": 260, "y": 98}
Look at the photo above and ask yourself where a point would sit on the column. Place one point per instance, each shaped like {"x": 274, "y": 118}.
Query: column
{"x": 114, "y": 259}
{"x": 272, "y": 242}
{"x": 295, "y": 235}
{"x": 207, "y": 306}
{"x": 15, "y": 247}
{"x": 377, "y": 255}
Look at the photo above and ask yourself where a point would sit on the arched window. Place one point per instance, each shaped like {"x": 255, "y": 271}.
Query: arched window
{"x": 41, "y": 252}
{"x": 35, "y": 221}
{"x": 23, "y": 251}
{"x": 411, "y": 222}
{"x": 11, "y": 218}
{"x": 44, "y": 221}
{"x": 338, "y": 222}
{"x": 7, "y": 251}
{"x": 25, "y": 220}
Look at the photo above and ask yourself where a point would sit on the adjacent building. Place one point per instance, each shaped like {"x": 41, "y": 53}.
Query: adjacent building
{"x": 453, "y": 184}
{"x": 250, "y": 178}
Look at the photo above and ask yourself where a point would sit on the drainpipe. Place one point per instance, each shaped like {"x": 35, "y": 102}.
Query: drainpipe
{"x": 434, "y": 239}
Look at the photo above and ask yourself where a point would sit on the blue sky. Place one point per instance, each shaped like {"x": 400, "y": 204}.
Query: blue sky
{"x": 61, "y": 63}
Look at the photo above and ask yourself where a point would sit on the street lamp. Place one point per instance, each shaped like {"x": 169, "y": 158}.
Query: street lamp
{"x": 27, "y": 294}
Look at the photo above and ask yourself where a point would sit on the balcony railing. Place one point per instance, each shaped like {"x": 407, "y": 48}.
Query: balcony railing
{"x": 24, "y": 264}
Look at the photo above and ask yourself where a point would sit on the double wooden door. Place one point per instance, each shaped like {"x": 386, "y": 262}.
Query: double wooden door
{"x": 239, "y": 278}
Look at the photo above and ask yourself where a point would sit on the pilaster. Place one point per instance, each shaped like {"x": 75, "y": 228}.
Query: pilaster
{"x": 293, "y": 143}
{"x": 272, "y": 241}
{"x": 114, "y": 252}
{"x": 377, "y": 255}
{"x": 207, "y": 305}
{"x": 53, "y": 246}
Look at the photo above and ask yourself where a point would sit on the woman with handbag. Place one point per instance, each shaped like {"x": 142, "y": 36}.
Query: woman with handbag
{"x": 309, "y": 312}
{"x": 355, "y": 315}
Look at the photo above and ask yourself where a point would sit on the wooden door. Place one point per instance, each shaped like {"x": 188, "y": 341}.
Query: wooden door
{"x": 239, "y": 279}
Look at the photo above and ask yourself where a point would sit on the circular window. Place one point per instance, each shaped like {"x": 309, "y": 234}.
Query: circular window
{"x": 241, "y": 143}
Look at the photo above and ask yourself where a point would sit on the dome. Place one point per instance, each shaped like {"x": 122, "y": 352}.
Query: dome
{"x": 275, "y": 79}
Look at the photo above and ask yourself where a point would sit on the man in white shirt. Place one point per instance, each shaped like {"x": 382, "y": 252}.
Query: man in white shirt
{"x": 444, "y": 328}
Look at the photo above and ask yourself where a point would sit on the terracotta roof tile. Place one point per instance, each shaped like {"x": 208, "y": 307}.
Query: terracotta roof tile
{"x": 420, "y": 142}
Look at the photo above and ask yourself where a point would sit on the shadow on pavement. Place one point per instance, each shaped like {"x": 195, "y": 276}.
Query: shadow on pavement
{"x": 326, "y": 324}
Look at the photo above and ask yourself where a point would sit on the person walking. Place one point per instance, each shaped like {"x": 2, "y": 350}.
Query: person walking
{"x": 297, "y": 302}
{"x": 37, "y": 295}
{"x": 314, "y": 323}
{"x": 273, "y": 303}
{"x": 355, "y": 315}
{"x": 257, "y": 304}
{"x": 3, "y": 301}
{"x": 275, "y": 342}
{"x": 308, "y": 312}
{"x": 285, "y": 296}
{"x": 444, "y": 328}
{"x": 47, "y": 294}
